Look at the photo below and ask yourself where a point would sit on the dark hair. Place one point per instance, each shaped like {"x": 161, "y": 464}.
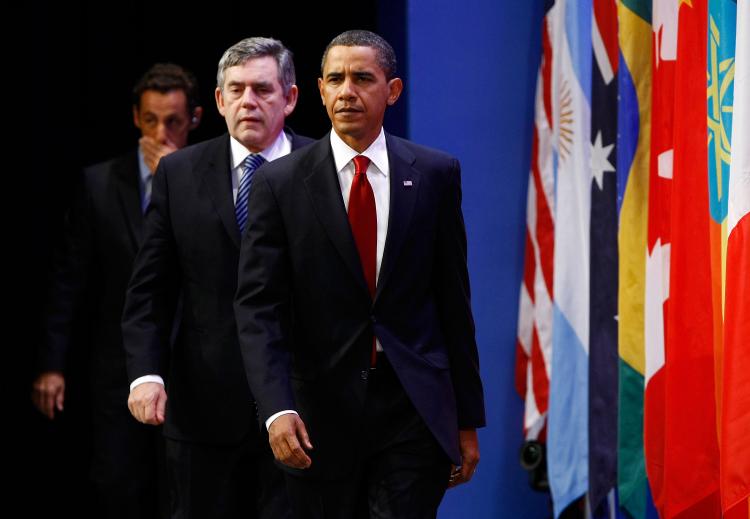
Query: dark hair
{"x": 259, "y": 47}
{"x": 383, "y": 50}
{"x": 164, "y": 77}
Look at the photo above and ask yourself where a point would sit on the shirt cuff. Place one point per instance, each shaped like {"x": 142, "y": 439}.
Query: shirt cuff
{"x": 276, "y": 415}
{"x": 144, "y": 379}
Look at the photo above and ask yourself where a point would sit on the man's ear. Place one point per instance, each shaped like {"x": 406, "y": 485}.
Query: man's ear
{"x": 291, "y": 100}
{"x": 395, "y": 87}
{"x": 219, "y": 101}
{"x": 196, "y": 119}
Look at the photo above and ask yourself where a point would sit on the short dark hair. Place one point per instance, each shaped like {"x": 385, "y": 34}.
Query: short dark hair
{"x": 164, "y": 77}
{"x": 383, "y": 50}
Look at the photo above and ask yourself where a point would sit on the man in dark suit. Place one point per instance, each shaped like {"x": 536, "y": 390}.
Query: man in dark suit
{"x": 353, "y": 307}
{"x": 89, "y": 280}
{"x": 219, "y": 463}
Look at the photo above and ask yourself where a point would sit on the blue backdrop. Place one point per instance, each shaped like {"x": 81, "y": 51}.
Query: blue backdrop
{"x": 471, "y": 73}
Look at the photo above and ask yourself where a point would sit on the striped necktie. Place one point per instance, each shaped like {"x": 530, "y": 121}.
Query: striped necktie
{"x": 250, "y": 164}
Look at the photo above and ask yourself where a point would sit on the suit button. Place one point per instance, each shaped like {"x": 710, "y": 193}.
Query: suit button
{"x": 363, "y": 374}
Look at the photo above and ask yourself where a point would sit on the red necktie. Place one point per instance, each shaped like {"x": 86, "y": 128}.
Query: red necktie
{"x": 364, "y": 222}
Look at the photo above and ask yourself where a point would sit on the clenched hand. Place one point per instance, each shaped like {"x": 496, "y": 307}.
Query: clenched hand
{"x": 469, "y": 446}
{"x": 147, "y": 403}
{"x": 289, "y": 441}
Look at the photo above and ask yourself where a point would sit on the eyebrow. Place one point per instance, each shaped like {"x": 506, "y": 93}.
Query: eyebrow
{"x": 168, "y": 115}
{"x": 335, "y": 74}
{"x": 254, "y": 84}
{"x": 261, "y": 84}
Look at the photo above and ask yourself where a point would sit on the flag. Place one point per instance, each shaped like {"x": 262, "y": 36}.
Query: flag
{"x": 680, "y": 203}
{"x": 735, "y": 410}
{"x": 567, "y": 428}
{"x": 722, "y": 20}
{"x": 633, "y": 155}
{"x": 534, "y": 342}
{"x": 691, "y": 454}
{"x": 659, "y": 240}
{"x": 603, "y": 358}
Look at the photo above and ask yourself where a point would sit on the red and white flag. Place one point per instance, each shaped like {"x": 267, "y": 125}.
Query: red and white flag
{"x": 534, "y": 344}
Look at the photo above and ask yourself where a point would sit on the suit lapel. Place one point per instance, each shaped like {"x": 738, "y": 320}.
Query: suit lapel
{"x": 323, "y": 186}
{"x": 404, "y": 187}
{"x": 127, "y": 184}
{"x": 215, "y": 171}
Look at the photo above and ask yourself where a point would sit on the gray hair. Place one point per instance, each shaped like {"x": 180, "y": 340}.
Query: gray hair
{"x": 383, "y": 50}
{"x": 258, "y": 47}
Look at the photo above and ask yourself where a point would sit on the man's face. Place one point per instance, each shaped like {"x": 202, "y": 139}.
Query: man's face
{"x": 355, "y": 93}
{"x": 164, "y": 117}
{"x": 253, "y": 102}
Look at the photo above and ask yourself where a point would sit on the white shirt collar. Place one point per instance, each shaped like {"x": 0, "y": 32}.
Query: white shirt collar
{"x": 377, "y": 152}
{"x": 278, "y": 148}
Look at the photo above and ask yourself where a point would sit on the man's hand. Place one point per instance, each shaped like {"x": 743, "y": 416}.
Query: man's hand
{"x": 287, "y": 436}
{"x": 154, "y": 150}
{"x": 147, "y": 403}
{"x": 48, "y": 393}
{"x": 469, "y": 445}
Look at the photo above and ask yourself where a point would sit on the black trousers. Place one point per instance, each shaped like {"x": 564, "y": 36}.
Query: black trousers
{"x": 225, "y": 481}
{"x": 400, "y": 471}
{"x": 127, "y": 465}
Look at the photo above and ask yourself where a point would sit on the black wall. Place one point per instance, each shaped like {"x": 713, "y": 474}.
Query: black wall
{"x": 78, "y": 62}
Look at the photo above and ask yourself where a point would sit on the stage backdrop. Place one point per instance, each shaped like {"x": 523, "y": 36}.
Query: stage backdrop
{"x": 471, "y": 79}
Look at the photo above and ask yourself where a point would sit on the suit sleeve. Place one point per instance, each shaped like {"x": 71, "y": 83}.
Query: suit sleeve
{"x": 148, "y": 314}
{"x": 454, "y": 305}
{"x": 262, "y": 302}
{"x": 69, "y": 279}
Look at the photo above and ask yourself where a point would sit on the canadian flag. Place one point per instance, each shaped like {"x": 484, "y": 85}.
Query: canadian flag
{"x": 659, "y": 240}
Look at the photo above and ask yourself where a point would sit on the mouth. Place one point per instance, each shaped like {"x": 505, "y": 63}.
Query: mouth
{"x": 348, "y": 110}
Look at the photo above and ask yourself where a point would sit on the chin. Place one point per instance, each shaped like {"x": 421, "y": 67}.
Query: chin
{"x": 249, "y": 138}
{"x": 348, "y": 128}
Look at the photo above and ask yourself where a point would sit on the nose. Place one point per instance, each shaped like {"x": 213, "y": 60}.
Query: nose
{"x": 346, "y": 92}
{"x": 161, "y": 132}
{"x": 248, "y": 98}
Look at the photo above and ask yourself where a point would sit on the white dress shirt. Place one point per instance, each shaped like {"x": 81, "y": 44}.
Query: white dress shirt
{"x": 378, "y": 173}
{"x": 280, "y": 147}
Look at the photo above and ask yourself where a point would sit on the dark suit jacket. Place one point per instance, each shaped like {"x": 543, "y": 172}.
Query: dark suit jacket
{"x": 191, "y": 247}
{"x": 305, "y": 315}
{"x": 91, "y": 272}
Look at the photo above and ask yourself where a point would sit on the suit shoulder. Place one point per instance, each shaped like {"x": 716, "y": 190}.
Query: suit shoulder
{"x": 286, "y": 168}
{"x": 303, "y": 140}
{"x": 102, "y": 168}
{"x": 436, "y": 165}
{"x": 425, "y": 152}
{"x": 298, "y": 141}
{"x": 97, "y": 174}
{"x": 193, "y": 153}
